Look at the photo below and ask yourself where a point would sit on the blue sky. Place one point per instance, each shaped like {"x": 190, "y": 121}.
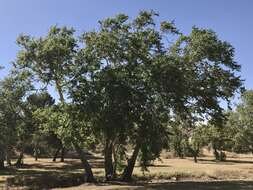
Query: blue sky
{"x": 231, "y": 19}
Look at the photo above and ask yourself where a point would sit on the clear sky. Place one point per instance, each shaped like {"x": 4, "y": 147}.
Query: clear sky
{"x": 231, "y": 19}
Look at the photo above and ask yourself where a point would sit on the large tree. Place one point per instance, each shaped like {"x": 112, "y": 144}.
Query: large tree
{"x": 132, "y": 79}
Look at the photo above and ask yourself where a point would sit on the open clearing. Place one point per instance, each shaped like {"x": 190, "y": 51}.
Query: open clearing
{"x": 173, "y": 174}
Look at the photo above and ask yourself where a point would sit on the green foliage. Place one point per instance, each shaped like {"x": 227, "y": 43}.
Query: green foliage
{"x": 13, "y": 123}
{"x": 240, "y": 122}
{"x": 132, "y": 84}
{"x": 49, "y": 59}
{"x": 178, "y": 140}
{"x": 66, "y": 122}
{"x": 128, "y": 85}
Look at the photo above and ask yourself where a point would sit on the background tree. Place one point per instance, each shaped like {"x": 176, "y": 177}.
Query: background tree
{"x": 217, "y": 138}
{"x": 13, "y": 91}
{"x": 197, "y": 140}
{"x": 179, "y": 139}
{"x": 67, "y": 124}
{"x": 37, "y": 101}
{"x": 50, "y": 60}
{"x": 240, "y": 122}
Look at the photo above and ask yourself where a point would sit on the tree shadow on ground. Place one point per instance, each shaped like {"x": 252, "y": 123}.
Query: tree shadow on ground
{"x": 40, "y": 179}
{"x": 45, "y": 180}
{"x": 214, "y": 185}
{"x": 47, "y": 175}
{"x": 66, "y": 165}
{"x": 187, "y": 185}
{"x": 225, "y": 162}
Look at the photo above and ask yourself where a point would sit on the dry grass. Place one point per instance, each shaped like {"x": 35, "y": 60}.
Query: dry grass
{"x": 236, "y": 173}
{"x": 185, "y": 185}
{"x": 205, "y": 169}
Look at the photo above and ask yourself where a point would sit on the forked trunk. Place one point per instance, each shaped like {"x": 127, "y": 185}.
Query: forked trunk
{"x": 128, "y": 171}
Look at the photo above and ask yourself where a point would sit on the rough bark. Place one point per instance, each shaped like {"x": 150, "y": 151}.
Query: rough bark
{"x": 89, "y": 177}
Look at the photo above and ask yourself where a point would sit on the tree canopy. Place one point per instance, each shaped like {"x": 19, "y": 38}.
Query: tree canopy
{"x": 126, "y": 87}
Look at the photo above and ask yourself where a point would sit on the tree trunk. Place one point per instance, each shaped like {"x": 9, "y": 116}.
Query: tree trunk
{"x": 128, "y": 171}
{"x": 59, "y": 89}
{"x": 88, "y": 171}
{"x": 195, "y": 158}
{"x": 195, "y": 153}
{"x": 20, "y": 161}
{"x": 8, "y": 158}
{"x": 62, "y": 153}
{"x": 1, "y": 164}
{"x": 222, "y": 156}
{"x": 56, "y": 154}
{"x": 60, "y": 93}
{"x": 108, "y": 160}
{"x": 89, "y": 174}
{"x": 115, "y": 164}
{"x": 36, "y": 153}
{"x": 1, "y": 159}
{"x": 216, "y": 154}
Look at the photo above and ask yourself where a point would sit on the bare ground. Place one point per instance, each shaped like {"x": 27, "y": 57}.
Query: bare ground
{"x": 173, "y": 174}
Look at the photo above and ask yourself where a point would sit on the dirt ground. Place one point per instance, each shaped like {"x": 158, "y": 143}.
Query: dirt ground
{"x": 185, "y": 185}
{"x": 173, "y": 174}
